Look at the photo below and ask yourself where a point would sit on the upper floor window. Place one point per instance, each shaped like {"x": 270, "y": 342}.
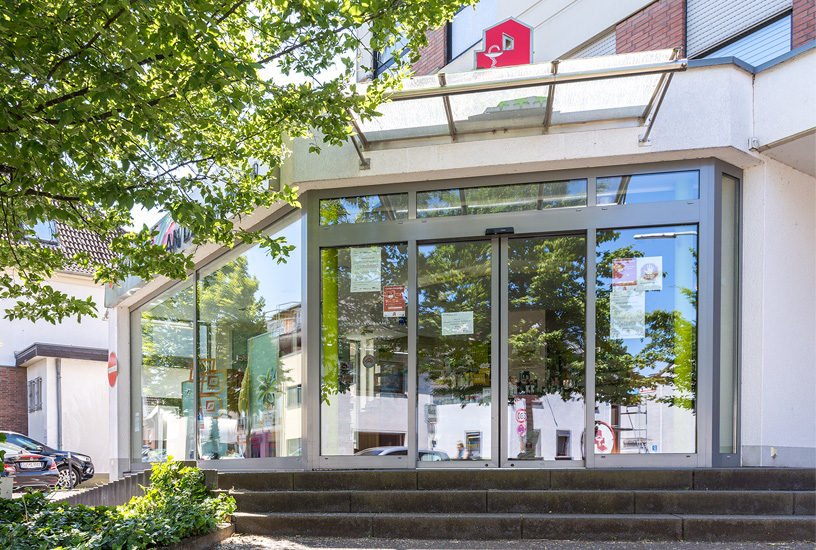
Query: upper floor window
{"x": 759, "y": 45}
{"x": 384, "y": 60}
{"x": 467, "y": 28}
{"x": 35, "y": 395}
{"x": 45, "y": 231}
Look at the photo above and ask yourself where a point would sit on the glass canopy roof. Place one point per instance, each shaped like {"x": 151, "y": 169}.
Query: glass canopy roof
{"x": 541, "y": 95}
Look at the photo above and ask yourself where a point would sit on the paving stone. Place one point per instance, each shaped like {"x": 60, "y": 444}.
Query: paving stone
{"x": 447, "y": 526}
{"x": 754, "y": 528}
{"x": 714, "y": 502}
{"x": 602, "y": 527}
{"x": 561, "y": 502}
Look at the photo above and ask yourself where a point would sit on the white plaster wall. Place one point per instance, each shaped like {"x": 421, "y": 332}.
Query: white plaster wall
{"x": 17, "y": 335}
{"x": 778, "y": 316}
{"x": 784, "y": 102}
{"x": 85, "y": 415}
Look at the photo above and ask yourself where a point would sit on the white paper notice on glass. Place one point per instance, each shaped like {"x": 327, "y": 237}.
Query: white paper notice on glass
{"x": 650, "y": 273}
{"x": 627, "y": 314}
{"x": 459, "y": 322}
{"x": 366, "y": 269}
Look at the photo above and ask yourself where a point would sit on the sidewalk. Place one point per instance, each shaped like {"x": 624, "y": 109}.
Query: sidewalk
{"x": 246, "y": 542}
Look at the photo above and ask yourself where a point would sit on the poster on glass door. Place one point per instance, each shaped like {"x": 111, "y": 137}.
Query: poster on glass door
{"x": 365, "y": 269}
{"x": 627, "y": 314}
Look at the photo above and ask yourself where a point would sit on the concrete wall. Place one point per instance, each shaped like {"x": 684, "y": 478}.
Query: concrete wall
{"x": 17, "y": 335}
{"x": 783, "y": 106}
{"x": 85, "y": 414}
{"x": 779, "y": 316}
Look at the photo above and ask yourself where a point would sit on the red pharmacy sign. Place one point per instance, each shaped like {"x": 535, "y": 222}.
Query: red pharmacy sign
{"x": 506, "y": 44}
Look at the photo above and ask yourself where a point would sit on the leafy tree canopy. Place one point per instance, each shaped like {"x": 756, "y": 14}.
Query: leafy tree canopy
{"x": 111, "y": 104}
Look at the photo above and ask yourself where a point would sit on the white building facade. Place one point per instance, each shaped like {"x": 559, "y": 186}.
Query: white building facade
{"x": 515, "y": 257}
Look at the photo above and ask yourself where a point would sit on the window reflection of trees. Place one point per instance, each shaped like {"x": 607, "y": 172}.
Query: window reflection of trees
{"x": 668, "y": 356}
{"x": 455, "y": 277}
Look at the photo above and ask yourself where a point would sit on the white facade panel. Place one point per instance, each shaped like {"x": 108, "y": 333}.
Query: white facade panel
{"x": 711, "y": 22}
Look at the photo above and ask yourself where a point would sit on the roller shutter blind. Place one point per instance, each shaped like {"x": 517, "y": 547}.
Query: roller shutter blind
{"x": 605, "y": 45}
{"x": 711, "y": 22}
{"x": 763, "y": 45}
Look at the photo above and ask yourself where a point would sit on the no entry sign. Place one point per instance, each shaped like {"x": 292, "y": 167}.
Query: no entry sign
{"x": 112, "y": 369}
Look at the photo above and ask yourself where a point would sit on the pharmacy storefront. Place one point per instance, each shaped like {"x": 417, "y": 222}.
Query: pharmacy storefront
{"x": 500, "y": 272}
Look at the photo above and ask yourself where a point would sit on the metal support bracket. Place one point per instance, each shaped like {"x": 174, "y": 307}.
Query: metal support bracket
{"x": 550, "y": 98}
{"x": 443, "y": 81}
{"x": 365, "y": 163}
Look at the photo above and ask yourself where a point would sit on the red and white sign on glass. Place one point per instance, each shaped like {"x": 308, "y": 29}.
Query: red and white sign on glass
{"x": 506, "y": 44}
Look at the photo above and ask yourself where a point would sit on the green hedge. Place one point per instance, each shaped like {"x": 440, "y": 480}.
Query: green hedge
{"x": 175, "y": 506}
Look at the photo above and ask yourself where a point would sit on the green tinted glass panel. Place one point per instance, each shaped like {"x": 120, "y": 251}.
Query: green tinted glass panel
{"x": 368, "y": 208}
{"x": 501, "y": 198}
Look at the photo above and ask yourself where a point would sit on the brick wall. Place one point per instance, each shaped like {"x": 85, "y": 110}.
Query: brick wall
{"x": 433, "y": 56}
{"x": 13, "y": 399}
{"x": 803, "y": 22}
{"x": 655, "y": 27}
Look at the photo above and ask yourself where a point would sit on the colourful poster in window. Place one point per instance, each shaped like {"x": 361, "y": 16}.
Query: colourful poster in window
{"x": 366, "y": 269}
{"x": 650, "y": 273}
{"x": 624, "y": 274}
{"x": 627, "y": 314}
{"x": 394, "y": 301}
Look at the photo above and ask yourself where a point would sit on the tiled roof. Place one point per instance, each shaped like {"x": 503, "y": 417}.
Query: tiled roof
{"x": 73, "y": 240}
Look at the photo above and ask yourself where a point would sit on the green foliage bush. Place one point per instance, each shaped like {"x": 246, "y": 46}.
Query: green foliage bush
{"x": 175, "y": 506}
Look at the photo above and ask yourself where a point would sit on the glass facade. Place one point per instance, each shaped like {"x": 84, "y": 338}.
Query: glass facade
{"x": 569, "y": 337}
{"x": 220, "y": 360}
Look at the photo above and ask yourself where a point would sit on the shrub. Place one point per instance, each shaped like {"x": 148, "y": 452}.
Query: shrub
{"x": 175, "y": 506}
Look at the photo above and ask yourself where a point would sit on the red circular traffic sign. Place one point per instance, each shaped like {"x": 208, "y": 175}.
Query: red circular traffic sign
{"x": 112, "y": 369}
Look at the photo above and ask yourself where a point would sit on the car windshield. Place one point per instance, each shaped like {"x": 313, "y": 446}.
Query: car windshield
{"x": 10, "y": 449}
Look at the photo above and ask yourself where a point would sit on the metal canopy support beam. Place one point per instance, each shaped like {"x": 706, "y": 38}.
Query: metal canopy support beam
{"x": 448, "y": 113}
{"x": 365, "y": 163}
{"x": 357, "y": 129}
{"x": 643, "y": 140}
{"x": 550, "y": 98}
{"x": 657, "y": 89}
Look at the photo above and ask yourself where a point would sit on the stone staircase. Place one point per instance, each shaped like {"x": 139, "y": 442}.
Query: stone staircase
{"x": 746, "y": 504}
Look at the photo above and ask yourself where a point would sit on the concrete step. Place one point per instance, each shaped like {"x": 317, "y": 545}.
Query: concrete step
{"x": 532, "y": 526}
{"x": 740, "y": 479}
{"x": 529, "y": 502}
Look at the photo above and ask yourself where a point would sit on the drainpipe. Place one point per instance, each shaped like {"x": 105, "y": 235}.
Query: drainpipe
{"x": 59, "y": 403}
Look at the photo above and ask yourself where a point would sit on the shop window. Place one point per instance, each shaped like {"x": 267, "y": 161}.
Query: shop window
{"x": 35, "y": 395}
{"x": 641, "y": 188}
{"x": 248, "y": 313}
{"x": 163, "y": 396}
{"x": 646, "y": 340}
{"x": 501, "y": 198}
{"x": 369, "y": 208}
{"x": 364, "y": 354}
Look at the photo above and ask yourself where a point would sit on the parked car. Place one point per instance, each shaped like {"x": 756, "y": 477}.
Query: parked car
{"x": 425, "y": 455}
{"x": 72, "y": 471}
{"x": 28, "y": 470}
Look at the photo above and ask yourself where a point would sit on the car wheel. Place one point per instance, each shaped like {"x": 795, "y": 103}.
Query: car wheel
{"x": 68, "y": 477}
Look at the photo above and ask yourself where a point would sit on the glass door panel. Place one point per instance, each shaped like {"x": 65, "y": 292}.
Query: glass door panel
{"x": 364, "y": 400}
{"x": 454, "y": 291}
{"x": 646, "y": 338}
{"x": 546, "y": 297}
